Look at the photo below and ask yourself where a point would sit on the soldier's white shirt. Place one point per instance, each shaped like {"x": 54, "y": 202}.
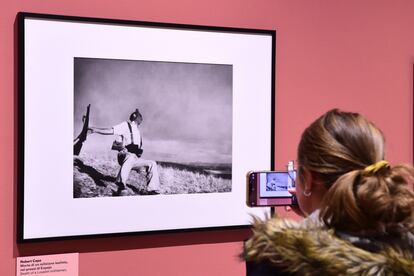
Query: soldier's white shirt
{"x": 123, "y": 129}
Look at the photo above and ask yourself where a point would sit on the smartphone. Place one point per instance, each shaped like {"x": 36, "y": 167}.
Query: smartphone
{"x": 270, "y": 188}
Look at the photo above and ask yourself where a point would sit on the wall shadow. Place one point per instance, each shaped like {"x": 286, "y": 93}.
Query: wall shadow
{"x": 140, "y": 241}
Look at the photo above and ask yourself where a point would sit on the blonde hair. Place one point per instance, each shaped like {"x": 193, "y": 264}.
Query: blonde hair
{"x": 336, "y": 149}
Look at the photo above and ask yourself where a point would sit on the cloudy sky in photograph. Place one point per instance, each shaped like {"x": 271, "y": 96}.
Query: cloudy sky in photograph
{"x": 186, "y": 107}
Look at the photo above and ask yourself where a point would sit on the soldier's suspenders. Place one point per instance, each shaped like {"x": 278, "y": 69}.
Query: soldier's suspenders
{"x": 132, "y": 135}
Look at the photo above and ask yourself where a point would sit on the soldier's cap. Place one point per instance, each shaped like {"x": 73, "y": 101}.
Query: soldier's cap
{"x": 134, "y": 115}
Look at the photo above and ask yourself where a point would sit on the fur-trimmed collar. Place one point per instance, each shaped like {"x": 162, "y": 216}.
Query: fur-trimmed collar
{"x": 311, "y": 249}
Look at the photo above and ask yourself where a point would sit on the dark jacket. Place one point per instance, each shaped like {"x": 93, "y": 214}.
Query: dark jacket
{"x": 285, "y": 247}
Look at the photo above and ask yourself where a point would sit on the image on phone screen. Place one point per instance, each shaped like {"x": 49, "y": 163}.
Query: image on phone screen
{"x": 276, "y": 184}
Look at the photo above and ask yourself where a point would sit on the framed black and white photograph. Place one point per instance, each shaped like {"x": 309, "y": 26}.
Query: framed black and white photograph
{"x": 131, "y": 127}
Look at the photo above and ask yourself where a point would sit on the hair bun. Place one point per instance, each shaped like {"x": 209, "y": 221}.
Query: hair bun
{"x": 371, "y": 204}
{"x": 385, "y": 200}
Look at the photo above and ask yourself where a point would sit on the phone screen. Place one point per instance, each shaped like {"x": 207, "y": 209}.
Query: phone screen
{"x": 275, "y": 184}
{"x": 271, "y": 188}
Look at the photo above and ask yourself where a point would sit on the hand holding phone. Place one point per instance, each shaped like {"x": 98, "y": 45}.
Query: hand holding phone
{"x": 270, "y": 188}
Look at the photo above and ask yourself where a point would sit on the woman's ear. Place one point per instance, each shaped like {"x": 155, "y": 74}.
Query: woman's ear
{"x": 307, "y": 180}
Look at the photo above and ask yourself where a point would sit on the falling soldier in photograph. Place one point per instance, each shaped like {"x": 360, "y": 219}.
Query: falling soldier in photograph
{"x": 129, "y": 146}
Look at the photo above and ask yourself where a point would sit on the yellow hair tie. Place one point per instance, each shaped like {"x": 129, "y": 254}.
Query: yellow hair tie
{"x": 372, "y": 169}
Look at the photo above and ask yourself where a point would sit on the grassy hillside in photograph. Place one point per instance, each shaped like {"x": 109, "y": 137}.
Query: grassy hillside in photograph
{"x": 94, "y": 176}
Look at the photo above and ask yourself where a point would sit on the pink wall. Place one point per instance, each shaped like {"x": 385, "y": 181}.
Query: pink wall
{"x": 356, "y": 55}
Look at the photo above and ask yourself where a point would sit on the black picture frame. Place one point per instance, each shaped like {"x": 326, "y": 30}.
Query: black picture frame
{"x": 46, "y": 208}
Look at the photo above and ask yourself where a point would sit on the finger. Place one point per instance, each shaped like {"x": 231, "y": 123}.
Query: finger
{"x": 292, "y": 191}
{"x": 288, "y": 208}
